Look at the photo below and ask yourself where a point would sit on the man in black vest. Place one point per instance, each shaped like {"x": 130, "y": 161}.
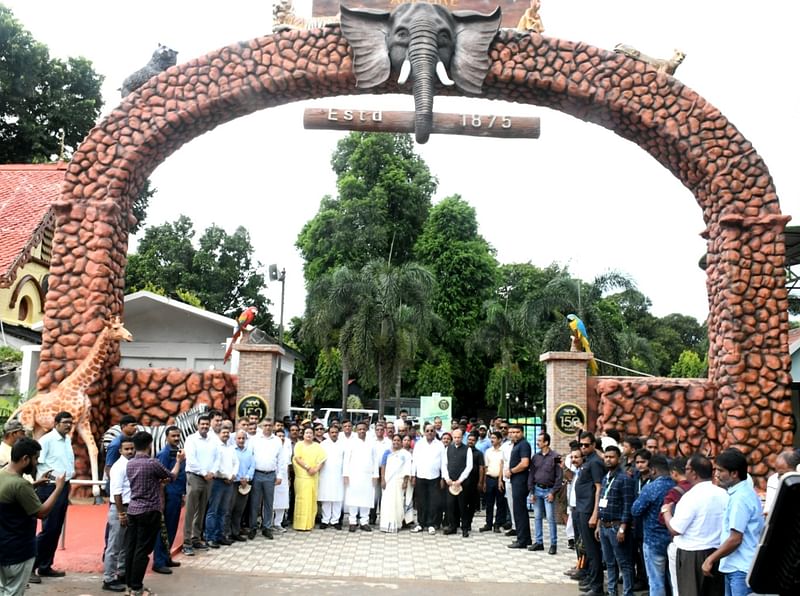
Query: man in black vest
{"x": 456, "y": 466}
{"x": 518, "y": 464}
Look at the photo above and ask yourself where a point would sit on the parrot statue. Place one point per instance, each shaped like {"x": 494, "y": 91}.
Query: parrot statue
{"x": 244, "y": 320}
{"x": 581, "y": 338}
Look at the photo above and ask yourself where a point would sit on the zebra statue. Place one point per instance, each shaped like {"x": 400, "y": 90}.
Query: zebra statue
{"x": 185, "y": 421}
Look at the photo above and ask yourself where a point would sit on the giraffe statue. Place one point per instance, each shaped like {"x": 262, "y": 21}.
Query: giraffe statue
{"x": 38, "y": 413}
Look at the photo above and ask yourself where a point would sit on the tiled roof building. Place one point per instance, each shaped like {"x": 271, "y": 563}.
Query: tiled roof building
{"x": 27, "y": 193}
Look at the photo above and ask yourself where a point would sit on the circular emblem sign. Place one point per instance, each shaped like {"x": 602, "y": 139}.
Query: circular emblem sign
{"x": 568, "y": 418}
{"x": 444, "y": 404}
{"x": 252, "y": 405}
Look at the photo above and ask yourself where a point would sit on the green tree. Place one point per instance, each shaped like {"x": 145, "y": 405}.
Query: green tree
{"x": 42, "y": 98}
{"x": 435, "y": 378}
{"x": 375, "y": 316}
{"x": 465, "y": 269}
{"x": 689, "y": 366}
{"x": 384, "y": 194}
{"x": 221, "y": 272}
{"x": 327, "y": 388}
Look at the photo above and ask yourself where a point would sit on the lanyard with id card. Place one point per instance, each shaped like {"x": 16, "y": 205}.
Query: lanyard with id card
{"x": 603, "y": 503}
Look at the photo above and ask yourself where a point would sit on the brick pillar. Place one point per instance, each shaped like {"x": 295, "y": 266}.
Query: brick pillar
{"x": 257, "y": 366}
{"x": 566, "y": 384}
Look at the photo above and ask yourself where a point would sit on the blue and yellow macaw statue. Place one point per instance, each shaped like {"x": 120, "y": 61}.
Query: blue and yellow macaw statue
{"x": 581, "y": 339}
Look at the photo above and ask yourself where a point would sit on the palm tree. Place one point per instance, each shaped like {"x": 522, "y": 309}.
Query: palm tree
{"x": 565, "y": 294}
{"x": 378, "y": 316}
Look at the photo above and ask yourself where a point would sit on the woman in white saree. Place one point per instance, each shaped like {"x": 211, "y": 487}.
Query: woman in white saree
{"x": 395, "y": 472}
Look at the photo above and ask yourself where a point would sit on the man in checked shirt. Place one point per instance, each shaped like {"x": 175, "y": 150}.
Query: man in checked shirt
{"x": 143, "y": 518}
{"x": 614, "y": 519}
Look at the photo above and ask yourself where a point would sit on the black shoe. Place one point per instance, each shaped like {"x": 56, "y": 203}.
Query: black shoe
{"x": 465, "y": 533}
{"x": 337, "y": 526}
{"x": 571, "y": 544}
{"x": 238, "y": 538}
{"x": 497, "y": 529}
{"x": 251, "y": 534}
{"x": 200, "y": 545}
{"x": 365, "y": 528}
{"x": 485, "y": 529}
{"x": 213, "y": 544}
{"x": 353, "y": 527}
{"x": 449, "y": 531}
{"x": 172, "y": 563}
{"x": 511, "y": 532}
{"x": 50, "y": 572}
{"x": 267, "y": 533}
{"x": 553, "y": 550}
{"x": 517, "y": 545}
{"x": 164, "y": 570}
{"x": 537, "y": 546}
{"x": 34, "y": 579}
{"x": 112, "y": 587}
{"x": 322, "y": 525}
{"x": 225, "y": 542}
{"x": 507, "y": 526}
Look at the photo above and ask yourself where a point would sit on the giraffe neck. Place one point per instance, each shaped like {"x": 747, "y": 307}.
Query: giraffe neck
{"x": 90, "y": 368}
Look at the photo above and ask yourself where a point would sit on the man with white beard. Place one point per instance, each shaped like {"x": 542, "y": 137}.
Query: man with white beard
{"x": 331, "y": 484}
{"x": 360, "y": 471}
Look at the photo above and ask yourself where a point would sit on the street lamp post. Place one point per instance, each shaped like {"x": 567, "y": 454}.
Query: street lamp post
{"x": 274, "y": 275}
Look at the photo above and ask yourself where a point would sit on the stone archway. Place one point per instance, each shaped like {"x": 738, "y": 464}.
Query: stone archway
{"x": 746, "y": 398}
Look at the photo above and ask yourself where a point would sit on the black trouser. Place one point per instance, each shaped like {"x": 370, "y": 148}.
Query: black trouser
{"x": 519, "y": 495}
{"x": 140, "y": 539}
{"x": 691, "y": 579}
{"x": 429, "y": 512}
{"x": 594, "y": 556}
{"x": 47, "y": 539}
{"x": 493, "y": 495}
{"x": 458, "y": 510}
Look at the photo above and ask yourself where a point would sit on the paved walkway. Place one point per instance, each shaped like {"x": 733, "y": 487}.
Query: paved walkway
{"x": 332, "y": 553}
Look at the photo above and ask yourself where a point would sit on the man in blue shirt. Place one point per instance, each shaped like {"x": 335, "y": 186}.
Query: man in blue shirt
{"x": 518, "y": 463}
{"x": 614, "y": 522}
{"x": 646, "y": 508}
{"x": 484, "y": 442}
{"x": 240, "y": 488}
{"x": 174, "y": 493}
{"x": 741, "y": 524}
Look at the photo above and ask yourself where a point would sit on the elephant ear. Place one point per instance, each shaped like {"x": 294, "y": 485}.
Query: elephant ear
{"x": 365, "y": 30}
{"x": 474, "y": 34}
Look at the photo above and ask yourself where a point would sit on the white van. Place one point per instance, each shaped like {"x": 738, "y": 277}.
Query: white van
{"x": 352, "y": 415}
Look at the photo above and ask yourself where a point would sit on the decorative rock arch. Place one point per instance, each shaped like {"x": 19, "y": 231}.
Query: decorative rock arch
{"x": 744, "y": 402}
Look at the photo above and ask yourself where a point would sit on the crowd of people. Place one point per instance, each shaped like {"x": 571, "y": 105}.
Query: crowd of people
{"x": 668, "y": 526}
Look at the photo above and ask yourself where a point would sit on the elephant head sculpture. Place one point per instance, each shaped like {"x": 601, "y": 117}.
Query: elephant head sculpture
{"x": 420, "y": 41}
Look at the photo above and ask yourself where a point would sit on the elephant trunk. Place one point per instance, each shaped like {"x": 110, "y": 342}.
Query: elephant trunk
{"x": 423, "y": 55}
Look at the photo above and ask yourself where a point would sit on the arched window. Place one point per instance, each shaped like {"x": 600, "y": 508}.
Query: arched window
{"x": 24, "y": 308}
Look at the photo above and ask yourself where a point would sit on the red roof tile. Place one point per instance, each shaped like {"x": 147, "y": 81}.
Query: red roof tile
{"x": 26, "y": 194}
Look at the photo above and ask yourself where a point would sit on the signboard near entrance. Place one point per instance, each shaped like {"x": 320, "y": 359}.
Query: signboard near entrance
{"x": 252, "y": 404}
{"x": 512, "y": 10}
{"x": 568, "y": 418}
{"x": 431, "y": 406}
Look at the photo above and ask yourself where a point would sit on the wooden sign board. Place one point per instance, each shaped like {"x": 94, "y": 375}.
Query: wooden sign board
{"x": 512, "y": 9}
{"x": 476, "y": 125}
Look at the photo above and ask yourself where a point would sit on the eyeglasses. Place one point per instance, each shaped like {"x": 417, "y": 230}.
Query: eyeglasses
{"x": 585, "y": 445}
{"x": 503, "y": 428}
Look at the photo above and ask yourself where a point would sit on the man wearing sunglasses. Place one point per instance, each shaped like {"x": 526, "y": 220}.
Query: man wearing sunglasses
{"x": 587, "y": 498}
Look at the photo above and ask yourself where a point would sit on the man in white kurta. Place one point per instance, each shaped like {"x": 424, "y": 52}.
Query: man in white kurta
{"x": 360, "y": 471}
{"x": 331, "y": 483}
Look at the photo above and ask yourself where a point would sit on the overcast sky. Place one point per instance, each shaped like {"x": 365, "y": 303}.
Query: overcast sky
{"x": 579, "y": 195}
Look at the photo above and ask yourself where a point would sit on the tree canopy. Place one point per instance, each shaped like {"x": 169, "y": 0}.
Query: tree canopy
{"x": 220, "y": 271}
{"x": 384, "y": 194}
{"x": 42, "y": 96}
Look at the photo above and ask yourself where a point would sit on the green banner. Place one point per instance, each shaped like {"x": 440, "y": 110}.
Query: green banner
{"x": 431, "y": 406}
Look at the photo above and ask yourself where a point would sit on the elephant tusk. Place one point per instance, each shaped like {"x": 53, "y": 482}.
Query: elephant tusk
{"x": 441, "y": 72}
{"x": 405, "y": 70}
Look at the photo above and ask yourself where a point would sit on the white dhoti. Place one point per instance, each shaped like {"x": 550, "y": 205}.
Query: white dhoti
{"x": 361, "y": 471}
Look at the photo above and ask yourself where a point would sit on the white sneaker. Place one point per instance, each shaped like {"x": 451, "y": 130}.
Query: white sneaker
{"x": 416, "y": 529}
{"x": 431, "y": 530}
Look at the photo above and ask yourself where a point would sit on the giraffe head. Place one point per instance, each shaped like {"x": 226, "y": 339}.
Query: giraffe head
{"x": 116, "y": 330}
